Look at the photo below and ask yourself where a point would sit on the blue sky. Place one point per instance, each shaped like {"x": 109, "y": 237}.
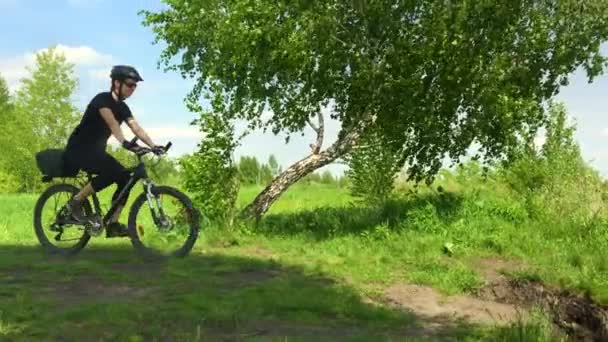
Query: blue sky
{"x": 95, "y": 34}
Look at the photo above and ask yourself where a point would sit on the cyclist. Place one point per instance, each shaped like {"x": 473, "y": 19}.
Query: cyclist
{"x": 86, "y": 146}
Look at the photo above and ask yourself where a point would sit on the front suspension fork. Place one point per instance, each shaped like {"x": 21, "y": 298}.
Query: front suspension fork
{"x": 152, "y": 199}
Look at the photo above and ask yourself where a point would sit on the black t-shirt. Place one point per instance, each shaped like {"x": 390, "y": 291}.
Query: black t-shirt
{"x": 93, "y": 133}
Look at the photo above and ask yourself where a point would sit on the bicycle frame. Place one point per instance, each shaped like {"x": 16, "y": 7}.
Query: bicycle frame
{"x": 137, "y": 173}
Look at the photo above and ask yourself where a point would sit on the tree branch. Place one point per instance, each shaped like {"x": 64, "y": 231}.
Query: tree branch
{"x": 320, "y": 130}
{"x": 339, "y": 40}
{"x": 350, "y": 138}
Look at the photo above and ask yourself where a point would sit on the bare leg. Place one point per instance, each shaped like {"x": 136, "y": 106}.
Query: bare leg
{"x": 75, "y": 204}
{"x": 84, "y": 193}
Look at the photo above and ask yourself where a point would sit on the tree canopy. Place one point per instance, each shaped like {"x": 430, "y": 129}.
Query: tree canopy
{"x": 41, "y": 115}
{"x": 432, "y": 76}
{"x": 4, "y": 97}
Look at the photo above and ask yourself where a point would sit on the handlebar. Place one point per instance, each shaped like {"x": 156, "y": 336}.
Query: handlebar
{"x": 146, "y": 150}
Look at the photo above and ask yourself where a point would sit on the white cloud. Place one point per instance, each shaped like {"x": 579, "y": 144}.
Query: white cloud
{"x": 14, "y": 68}
{"x": 84, "y": 55}
{"x": 99, "y": 74}
{"x": 184, "y": 139}
{"x": 174, "y": 132}
{"x": 164, "y": 133}
{"x": 604, "y": 132}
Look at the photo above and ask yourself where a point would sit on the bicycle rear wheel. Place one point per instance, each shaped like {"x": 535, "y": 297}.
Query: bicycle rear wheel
{"x": 168, "y": 227}
{"x": 55, "y": 232}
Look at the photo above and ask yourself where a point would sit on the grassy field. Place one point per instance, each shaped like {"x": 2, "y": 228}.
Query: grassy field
{"x": 315, "y": 268}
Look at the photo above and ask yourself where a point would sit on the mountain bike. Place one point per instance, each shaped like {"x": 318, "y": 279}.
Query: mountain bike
{"x": 168, "y": 227}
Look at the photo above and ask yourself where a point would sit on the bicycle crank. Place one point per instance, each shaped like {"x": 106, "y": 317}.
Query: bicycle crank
{"x": 94, "y": 227}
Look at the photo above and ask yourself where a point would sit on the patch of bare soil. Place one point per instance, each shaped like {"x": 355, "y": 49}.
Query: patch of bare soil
{"x": 503, "y": 300}
{"x": 246, "y": 278}
{"x": 429, "y": 303}
{"x": 270, "y": 328}
{"x": 492, "y": 269}
{"x": 579, "y": 316}
{"x": 262, "y": 252}
{"x": 146, "y": 270}
{"x": 89, "y": 289}
{"x": 314, "y": 332}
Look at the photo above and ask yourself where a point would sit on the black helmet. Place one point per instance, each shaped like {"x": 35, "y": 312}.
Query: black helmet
{"x": 121, "y": 72}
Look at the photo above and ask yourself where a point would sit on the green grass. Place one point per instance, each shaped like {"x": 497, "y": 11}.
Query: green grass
{"x": 404, "y": 240}
{"x": 305, "y": 272}
{"x": 300, "y": 197}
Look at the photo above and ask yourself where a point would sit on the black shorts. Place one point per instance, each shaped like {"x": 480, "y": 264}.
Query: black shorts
{"x": 100, "y": 163}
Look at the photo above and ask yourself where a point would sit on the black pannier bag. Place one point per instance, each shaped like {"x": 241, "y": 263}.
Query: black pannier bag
{"x": 51, "y": 163}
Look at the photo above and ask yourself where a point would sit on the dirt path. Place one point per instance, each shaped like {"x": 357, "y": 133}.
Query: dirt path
{"x": 504, "y": 300}
{"x": 430, "y": 304}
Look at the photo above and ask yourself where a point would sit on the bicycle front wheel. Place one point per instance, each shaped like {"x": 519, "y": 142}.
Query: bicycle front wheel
{"x": 165, "y": 224}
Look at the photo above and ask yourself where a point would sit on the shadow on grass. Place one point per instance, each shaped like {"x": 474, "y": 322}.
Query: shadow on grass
{"x": 398, "y": 213}
{"x": 108, "y": 293}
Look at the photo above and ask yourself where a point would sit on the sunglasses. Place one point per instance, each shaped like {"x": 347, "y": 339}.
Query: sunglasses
{"x": 131, "y": 85}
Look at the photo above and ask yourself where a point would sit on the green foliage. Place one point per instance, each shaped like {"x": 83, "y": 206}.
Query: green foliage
{"x": 5, "y": 100}
{"x": 554, "y": 181}
{"x": 273, "y": 165}
{"x": 8, "y": 183}
{"x": 45, "y": 99}
{"x": 434, "y": 77}
{"x": 209, "y": 174}
{"x": 251, "y": 171}
{"x": 160, "y": 170}
{"x": 311, "y": 178}
{"x": 373, "y": 167}
{"x": 327, "y": 177}
{"x": 42, "y": 117}
{"x": 125, "y": 157}
{"x": 7, "y": 116}
{"x": 265, "y": 174}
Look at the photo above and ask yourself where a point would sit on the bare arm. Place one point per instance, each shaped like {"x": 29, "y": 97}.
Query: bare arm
{"x": 139, "y": 132}
{"x": 108, "y": 117}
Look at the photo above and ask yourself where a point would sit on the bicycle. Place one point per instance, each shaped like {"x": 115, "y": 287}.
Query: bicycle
{"x": 148, "y": 242}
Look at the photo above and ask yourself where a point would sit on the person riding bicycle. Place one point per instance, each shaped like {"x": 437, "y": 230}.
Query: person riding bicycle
{"x": 86, "y": 146}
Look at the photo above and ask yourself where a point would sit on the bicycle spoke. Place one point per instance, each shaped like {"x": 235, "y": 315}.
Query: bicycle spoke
{"x": 164, "y": 228}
